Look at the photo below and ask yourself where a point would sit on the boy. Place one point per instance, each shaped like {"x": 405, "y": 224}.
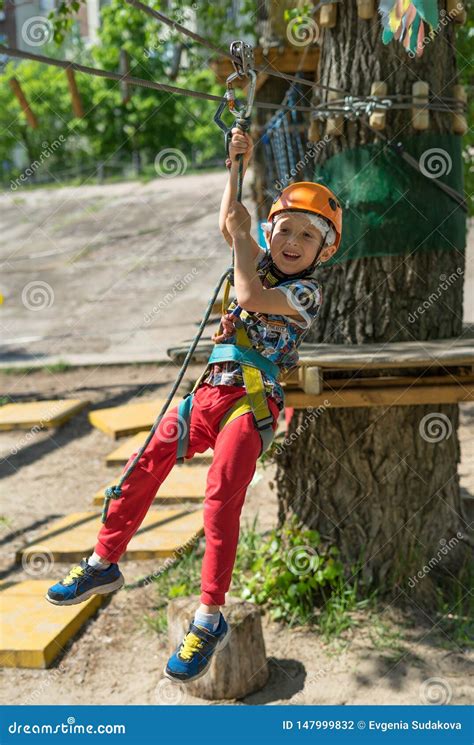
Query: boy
{"x": 304, "y": 229}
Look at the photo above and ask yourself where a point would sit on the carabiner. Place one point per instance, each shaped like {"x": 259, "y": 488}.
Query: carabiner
{"x": 243, "y": 61}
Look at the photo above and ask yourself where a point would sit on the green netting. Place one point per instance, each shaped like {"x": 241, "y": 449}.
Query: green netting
{"x": 391, "y": 209}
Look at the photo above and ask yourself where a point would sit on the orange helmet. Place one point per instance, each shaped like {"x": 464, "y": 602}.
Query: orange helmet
{"x": 307, "y": 196}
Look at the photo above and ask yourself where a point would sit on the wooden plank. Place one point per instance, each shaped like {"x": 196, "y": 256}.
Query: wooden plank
{"x": 73, "y": 537}
{"x": 43, "y": 414}
{"x": 32, "y": 631}
{"x": 22, "y": 100}
{"x": 182, "y": 484}
{"x": 119, "y": 421}
{"x": 283, "y": 59}
{"x": 122, "y": 454}
{"x": 396, "y": 380}
{"x": 397, "y": 354}
{"x": 391, "y": 396}
{"x": 444, "y": 352}
{"x": 76, "y": 100}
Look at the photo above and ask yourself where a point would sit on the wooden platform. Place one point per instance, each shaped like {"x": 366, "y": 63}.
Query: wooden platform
{"x": 43, "y": 414}
{"x": 391, "y": 374}
{"x": 182, "y": 483}
{"x": 283, "y": 59}
{"x": 120, "y": 456}
{"x": 161, "y": 534}
{"x": 32, "y": 631}
{"x": 129, "y": 419}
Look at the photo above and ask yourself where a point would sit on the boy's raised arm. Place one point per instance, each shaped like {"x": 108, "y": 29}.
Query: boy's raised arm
{"x": 241, "y": 143}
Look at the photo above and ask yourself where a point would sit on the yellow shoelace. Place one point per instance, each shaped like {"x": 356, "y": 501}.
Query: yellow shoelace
{"x": 190, "y": 645}
{"x": 75, "y": 572}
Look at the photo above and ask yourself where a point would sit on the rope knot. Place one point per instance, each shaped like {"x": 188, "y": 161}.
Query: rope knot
{"x": 113, "y": 492}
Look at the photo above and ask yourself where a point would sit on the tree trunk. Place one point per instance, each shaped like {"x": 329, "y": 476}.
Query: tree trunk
{"x": 242, "y": 668}
{"x": 370, "y": 480}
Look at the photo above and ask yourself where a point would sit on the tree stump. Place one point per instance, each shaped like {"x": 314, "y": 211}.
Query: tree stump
{"x": 241, "y": 667}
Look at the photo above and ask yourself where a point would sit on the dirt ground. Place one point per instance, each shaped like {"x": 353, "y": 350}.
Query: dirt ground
{"x": 383, "y": 660}
{"x": 116, "y": 270}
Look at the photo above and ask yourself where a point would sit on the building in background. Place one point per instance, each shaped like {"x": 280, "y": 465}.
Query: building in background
{"x": 24, "y": 24}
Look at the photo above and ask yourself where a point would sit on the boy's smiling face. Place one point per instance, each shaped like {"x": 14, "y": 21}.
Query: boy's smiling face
{"x": 295, "y": 242}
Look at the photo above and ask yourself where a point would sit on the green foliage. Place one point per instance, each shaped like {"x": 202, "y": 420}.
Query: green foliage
{"x": 290, "y": 572}
{"x": 148, "y": 122}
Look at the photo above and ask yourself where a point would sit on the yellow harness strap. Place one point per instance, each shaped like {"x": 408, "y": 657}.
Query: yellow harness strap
{"x": 255, "y": 399}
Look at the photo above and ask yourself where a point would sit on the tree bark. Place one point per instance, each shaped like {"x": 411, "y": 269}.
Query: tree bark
{"x": 366, "y": 478}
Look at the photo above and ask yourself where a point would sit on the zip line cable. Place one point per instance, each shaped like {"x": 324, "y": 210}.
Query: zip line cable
{"x": 129, "y": 79}
{"x": 324, "y": 109}
{"x": 212, "y": 47}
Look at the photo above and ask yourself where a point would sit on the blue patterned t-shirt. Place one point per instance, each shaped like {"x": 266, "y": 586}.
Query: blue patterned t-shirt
{"x": 274, "y": 336}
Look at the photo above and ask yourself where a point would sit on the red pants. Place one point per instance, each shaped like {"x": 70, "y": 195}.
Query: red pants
{"x": 236, "y": 449}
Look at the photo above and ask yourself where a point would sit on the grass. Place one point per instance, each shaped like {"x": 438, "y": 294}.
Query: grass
{"x": 319, "y": 599}
{"x": 57, "y": 367}
{"x": 332, "y": 609}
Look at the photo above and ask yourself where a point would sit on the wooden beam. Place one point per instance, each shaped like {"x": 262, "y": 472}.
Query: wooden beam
{"x": 423, "y": 354}
{"x": 281, "y": 59}
{"x": 394, "y": 354}
{"x": 74, "y": 91}
{"x": 402, "y": 396}
{"x": 396, "y": 380}
{"x": 17, "y": 90}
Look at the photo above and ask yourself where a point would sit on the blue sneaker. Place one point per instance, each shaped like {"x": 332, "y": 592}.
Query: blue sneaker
{"x": 83, "y": 581}
{"x": 192, "y": 658}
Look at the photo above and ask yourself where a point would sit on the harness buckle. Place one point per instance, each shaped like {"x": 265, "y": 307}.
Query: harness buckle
{"x": 264, "y": 423}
